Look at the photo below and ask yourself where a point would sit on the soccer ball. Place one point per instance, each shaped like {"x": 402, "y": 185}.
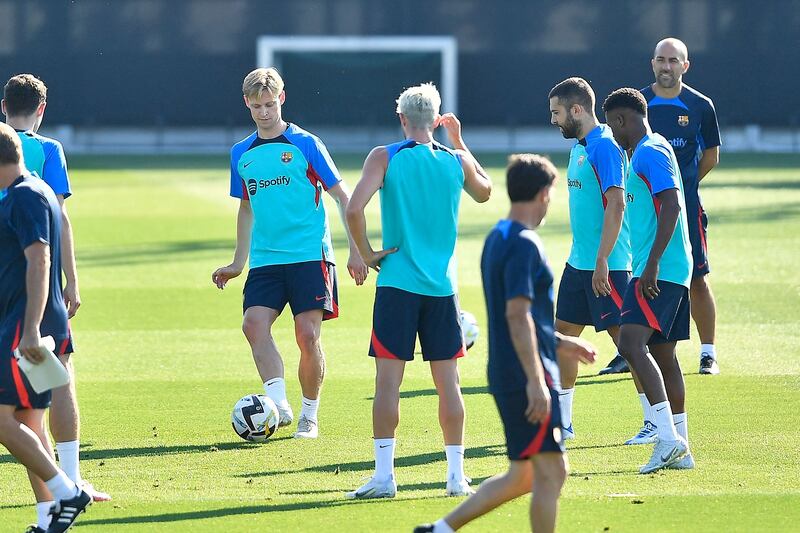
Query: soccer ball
{"x": 255, "y": 417}
{"x": 469, "y": 325}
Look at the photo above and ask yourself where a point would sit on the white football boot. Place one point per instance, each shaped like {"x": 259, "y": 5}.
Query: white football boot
{"x": 459, "y": 487}
{"x": 647, "y": 435}
{"x": 374, "y": 488}
{"x": 306, "y": 428}
{"x": 665, "y": 453}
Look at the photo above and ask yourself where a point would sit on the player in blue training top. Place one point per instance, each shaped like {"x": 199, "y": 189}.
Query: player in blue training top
{"x": 522, "y": 369}
{"x": 655, "y": 308}
{"x": 279, "y": 173}
{"x": 420, "y": 183}
{"x": 599, "y": 265}
{"x": 24, "y": 103}
{"x": 31, "y": 306}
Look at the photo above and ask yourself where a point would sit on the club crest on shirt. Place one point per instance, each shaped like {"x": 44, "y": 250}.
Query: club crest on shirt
{"x": 683, "y": 120}
{"x": 286, "y": 157}
{"x": 581, "y": 159}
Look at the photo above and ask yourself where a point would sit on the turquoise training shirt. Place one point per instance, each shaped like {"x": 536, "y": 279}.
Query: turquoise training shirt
{"x": 283, "y": 179}
{"x": 596, "y": 163}
{"x": 420, "y": 197}
{"x": 654, "y": 168}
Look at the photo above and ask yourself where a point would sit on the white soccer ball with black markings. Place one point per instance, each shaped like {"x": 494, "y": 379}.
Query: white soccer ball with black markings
{"x": 469, "y": 325}
{"x": 255, "y": 417}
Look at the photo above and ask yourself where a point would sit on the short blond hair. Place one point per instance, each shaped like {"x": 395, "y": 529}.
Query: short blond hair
{"x": 420, "y": 105}
{"x": 260, "y": 80}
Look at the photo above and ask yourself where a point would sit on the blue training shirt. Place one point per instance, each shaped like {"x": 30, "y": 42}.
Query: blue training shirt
{"x": 45, "y": 158}
{"x": 654, "y": 168}
{"x": 420, "y": 198}
{"x": 689, "y": 123}
{"x": 596, "y": 163}
{"x": 513, "y": 264}
{"x": 30, "y": 213}
{"x": 283, "y": 179}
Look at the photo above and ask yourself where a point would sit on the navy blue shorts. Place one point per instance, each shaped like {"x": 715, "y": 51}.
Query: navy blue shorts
{"x": 668, "y": 313}
{"x": 14, "y": 386}
{"x": 399, "y": 316}
{"x": 697, "y": 221}
{"x": 577, "y": 303}
{"x": 524, "y": 439}
{"x": 304, "y": 286}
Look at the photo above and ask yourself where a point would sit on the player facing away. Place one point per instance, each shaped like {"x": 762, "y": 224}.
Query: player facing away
{"x": 420, "y": 183}
{"x": 655, "y": 308}
{"x": 522, "y": 368}
{"x": 31, "y": 306}
{"x": 688, "y": 120}
{"x": 279, "y": 173}
{"x": 24, "y": 103}
{"x": 599, "y": 265}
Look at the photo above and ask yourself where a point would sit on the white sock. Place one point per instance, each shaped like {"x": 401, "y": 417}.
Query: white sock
{"x": 43, "y": 514}
{"x": 384, "y": 458}
{"x": 681, "y": 427}
{"x": 455, "y": 460}
{"x": 61, "y": 487}
{"x": 309, "y": 409}
{"x": 565, "y": 402}
{"x": 440, "y": 526}
{"x": 662, "y": 413}
{"x": 708, "y": 349}
{"x": 68, "y": 459}
{"x": 646, "y": 411}
{"x": 275, "y": 389}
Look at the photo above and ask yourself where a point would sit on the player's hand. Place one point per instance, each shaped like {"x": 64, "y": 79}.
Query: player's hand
{"x": 222, "y": 275}
{"x": 576, "y": 349}
{"x": 648, "y": 281}
{"x": 373, "y": 260}
{"x": 357, "y": 268}
{"x": 72, "y": 299}
{"x": 600, "y": 284}
{"x": 29, "y": 346}
{"x": 452, "y": 125}
{"x": 538, "y": 401}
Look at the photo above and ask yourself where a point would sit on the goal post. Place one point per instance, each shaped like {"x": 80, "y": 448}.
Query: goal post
{"x": 269, "y": 48}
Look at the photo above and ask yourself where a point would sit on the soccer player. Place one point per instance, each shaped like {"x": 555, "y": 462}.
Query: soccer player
{"x": 279, "y": 173}
{"x": 688, "y": 120}
{"x": 522, "y": 370}
{"x": 24, "y": 103}
{"x": 655, "y": 308}
{"x": 420, "y": 183}
{"x": 31, "y": 305}
{"x": 599, "y": 265}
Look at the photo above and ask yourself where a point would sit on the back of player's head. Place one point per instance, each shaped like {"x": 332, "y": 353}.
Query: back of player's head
{"x": 626, "y": 98}
{"x": 420, "y": 105}
{"x": 23, "y": 94}
{"x": 527, "y": 175}
{"x": 10, "y": 145}
{"x": 574, "y": 91}
{"x": 260, "y": 80}
{"x": 678, "y": 46}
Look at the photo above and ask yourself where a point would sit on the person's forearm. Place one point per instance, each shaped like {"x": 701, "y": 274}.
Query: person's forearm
{"x": 36, "y": 288}
{"x": 708, "y": 160}
{"x": 612, "y": 222}
{"x": 357, "y": 225}
{"x": 68, "y": 263}
{"x": 667, "y": 219}
{"x": 244, "y": 229}
{"x": 523, "y": 337}
{"x": 342, "y": 204}
{"x": 459, "y": 144}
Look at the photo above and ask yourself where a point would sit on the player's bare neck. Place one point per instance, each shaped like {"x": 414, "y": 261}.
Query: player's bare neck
{"x": 671, "y": 92}
{"x": 526, "y": 214}
{"x": 587, "y": 126}
{"x": 22, "y": 123}
{"x": 271, "y": 133}
{"x": 420, "y": 136}
{"x": 9, "y": 174}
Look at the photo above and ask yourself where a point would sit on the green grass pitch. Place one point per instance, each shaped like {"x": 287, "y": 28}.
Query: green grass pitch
{"x": 161, "y": 360}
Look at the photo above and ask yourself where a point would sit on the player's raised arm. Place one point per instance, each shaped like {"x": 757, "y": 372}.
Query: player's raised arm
{"x": 244, "y": 228}
{"x": 371, "y": 180}
{"x": 477, "y": 182}
{"x": 355, "y": 265}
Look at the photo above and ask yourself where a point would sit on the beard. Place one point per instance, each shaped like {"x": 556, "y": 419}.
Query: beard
{"x": 570, "y": 128}
{"x": 666, "y": 80}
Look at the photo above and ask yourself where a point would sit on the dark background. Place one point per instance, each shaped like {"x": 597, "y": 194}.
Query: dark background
{"x": 180, "y": 63}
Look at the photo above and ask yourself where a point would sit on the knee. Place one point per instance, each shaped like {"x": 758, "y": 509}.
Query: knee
{"x": 627, "y": 347}
{"x": 552, "y": 474}
{"x": 307, "y": 339}
{"x": 699, "y": 286}
{"x": 254, "y": 328}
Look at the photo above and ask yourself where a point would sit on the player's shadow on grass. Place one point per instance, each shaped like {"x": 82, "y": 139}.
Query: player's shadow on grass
{"x": 432, "y": 392}
{"x": 364, "y": 466}
{"x": 236, "y": 511}
{"x": 117, "y": 453}
{"x": 150, "y": 253}
{"x": 595, "y": 380}
{"x": 434, "y": 485}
